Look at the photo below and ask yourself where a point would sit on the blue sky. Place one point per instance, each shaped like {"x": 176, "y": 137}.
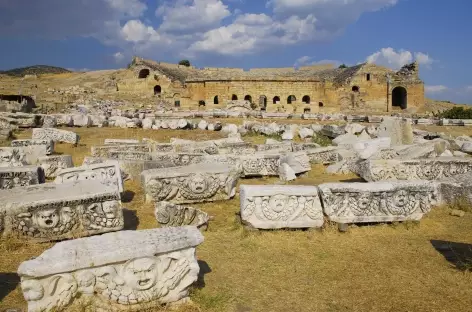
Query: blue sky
{"x": 103, "y": 34}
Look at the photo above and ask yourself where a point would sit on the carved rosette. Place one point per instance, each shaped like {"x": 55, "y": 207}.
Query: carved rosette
{"x": 105, "y": 215}
{"x": 161, "y": 189}
{"x": 136, "y": 283}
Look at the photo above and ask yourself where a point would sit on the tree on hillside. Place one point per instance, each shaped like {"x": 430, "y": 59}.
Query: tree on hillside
{"x": 185, "y": 63}
{"x": 342, "y": 66}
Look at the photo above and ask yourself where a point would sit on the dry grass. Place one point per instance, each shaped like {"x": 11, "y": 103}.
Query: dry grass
{"x": 369, "y": 268}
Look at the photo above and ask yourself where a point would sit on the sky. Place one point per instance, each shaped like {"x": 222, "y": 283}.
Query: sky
{"x": 105, "y": 34}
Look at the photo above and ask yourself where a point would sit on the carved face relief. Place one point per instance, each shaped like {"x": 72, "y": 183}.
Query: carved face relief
{"x": 364, "y": 200}
{"x": 5, "y": 156}
{"x": 401, "y": 198}
{"x": 278, "y": 202}
{"x": 185, "y": 159}
{"x": 47, "y": 219}
{"x": 110, "y": 208}
{"x": 140, "y": 274}
{"x": 198, "y": 184}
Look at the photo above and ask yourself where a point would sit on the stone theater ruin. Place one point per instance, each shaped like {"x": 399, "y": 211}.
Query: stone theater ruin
{"x": 313, "y": 89}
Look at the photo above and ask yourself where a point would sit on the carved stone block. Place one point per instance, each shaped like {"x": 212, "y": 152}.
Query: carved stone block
{"x": 109, "y": 170}
{"x": 103, "y": 150}
{"x": 277, "y": 206}
{"x": 378, "y": 201}
{"x": 127, "y": 155}
{"x": 120, "y": 141}
{"x": 415, "y": 169}
{"x": 237, "y": 148}
{"x": 279, "y": 147}
{"x": 323, "y": 155}
{"x": 298, "y": 161}
{"x": 178, "y": 159}
{"x": 304, "y": 146}
{"x": 11, "y": 177}
{"x": 113, "y": 272}
{"x": 260, "y": 165}
{"x": 53, "y": 212}
{"x": 30, "y": 142}
{"x": 53, "y": 164}
{"x": 55, "y": 135}
{"x": 190, "y": 184}
{"x": 169, "y": 214}
{"x": 12, "y": 157}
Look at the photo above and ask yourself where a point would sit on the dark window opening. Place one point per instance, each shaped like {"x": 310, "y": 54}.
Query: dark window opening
{"x": 177, "y": 103}
{"x": 306, "y": 99}
{"x": 368, "y": 77}
{"x": 201, "y": 103}
{"x": 248, "y": 98}
{"x": 157, "y": 90}
{"x": 215, "y": 100}
{"x": 355, "y": 89}
{"x": 143, "y": 73}
{"x": 400, "y": 97}
{"x": 276, "y": 100}
{"x": 234, "y": 97}
{"x": 320, "y": 104}
{"x": 291, "y": 99}
{"x": 306, "y": 110}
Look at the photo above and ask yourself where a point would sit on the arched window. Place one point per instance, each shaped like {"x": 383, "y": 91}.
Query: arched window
{"x": 306, "y": 110}
{"x": 215, "y": 100}
{"x": 291, "y": 99}
{"x": 201, "y": 103}
{"x": 157, "y": 90}
{"x": 320, "y": 104}
{"x": 234, "y": 97}
{"x": 143, "y": 73}
{"x": 355, "y": 89}
{"x": 306, "y": 99}
{"x": 276, "y": 100}
{"x": 248, "y": 98}
{"x": 400, "y": 97}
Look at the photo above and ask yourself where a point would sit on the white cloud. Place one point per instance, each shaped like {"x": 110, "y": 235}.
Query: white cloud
{"x": 435, "y": 89}
{"x": 130, "y": 8}
{"x": 308, "y": 60}
{"x": 468, "y": 89}
{"x": 396, "y": 59}
{"x": 135, "y": 31}
{"x": 192, "y": 16}
{"x": 119, "y": 57}
{"x": 302, "y": 61}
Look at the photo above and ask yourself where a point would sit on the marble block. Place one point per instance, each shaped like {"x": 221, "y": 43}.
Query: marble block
{"x": 298, "y": 161}
{"x": 12, "y": 157}
{"x": 109, "y": 170}
{"x": 277, "y": 206}
{"x": 113, "y": 272}
{"x": 55, "y": 135}
{"x": 178, "y": 159}
{"x": 413, "y": 169}
{"x": 169, "y": 214}
{"x": 103, "y": 150}
{"x": 323, "y": 155}
{"x": 128, "y": 155}
{"x": 377, "y": 201}
{"x": 53, "y": 164}
{"x": 120, "y": 141}
{"x": 190, "y": 184}
{"x": 11, "y": 177}
{"x": 30, "y": 142}
{"x": 260, "y": 164}
{"x": 54, "y": 212}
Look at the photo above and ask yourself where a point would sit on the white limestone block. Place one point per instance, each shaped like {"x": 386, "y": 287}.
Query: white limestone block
{"x": 190, "y": 184}
{"x": 354, "y": 128}
{"x": 323, "y": 155}
{"x": 305, "y": 133}
{"x": 260, "y": 164}
{"x": 277, "y": 206}
{"x": 115, "y": 271}
{"x": 55, "y": 135}
{"x": 82, "y": 120}
{"x": 53, "y": 164}
{"x": 103, "y": 150}
{"x": 120, "y": 141}
{"x": 108, "y": 170}
{"x": 414, "y": 169}
{"x": 53, "y": 212}
{"x": 286, "y": 173}
{"x": 203, "y": 124}
{"x": 169, "y": 214}
{"x": 378, "y": 201}
{"x": 148, "y": 123}
{"x": 12, "y": 157}
{"x": 298, "y": 161}
{"x": 400, "y": 131}
{"x": 30, "y": 142}
{"x": 20, "y": 176}
{"x": 368, "y": 148}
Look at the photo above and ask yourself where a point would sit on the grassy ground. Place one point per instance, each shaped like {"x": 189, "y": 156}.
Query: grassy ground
{"x": 370, "y": 268}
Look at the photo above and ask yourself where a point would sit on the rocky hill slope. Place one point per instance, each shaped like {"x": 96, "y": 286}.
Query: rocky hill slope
{"x": 34, "y": 70}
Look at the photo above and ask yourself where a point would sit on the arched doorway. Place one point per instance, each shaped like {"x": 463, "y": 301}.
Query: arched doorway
{"x": 276, "y": 100}
{"x": 157, "y": 90}
{"x": 248, "y": 98}
{"x": 263, "y": 102}
{"x": 215, "y": 100}
{"x": 201, "y": 103}
{"x": 399, "y": 97}
{"x": 234, "y": 97}
{"x": 143, "y": 73}
{"x": 355, "y": 89}
{"x": 176, "y": 100}
{"x": 320, "y": 104}
{"x": 306, "y": 99}
{"x": 291, "y": 99}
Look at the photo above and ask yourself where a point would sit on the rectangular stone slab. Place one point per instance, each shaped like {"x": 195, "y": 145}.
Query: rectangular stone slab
{"x": 103, "y": 150}
{"x": 128, "y": 155}
{"x": 30, "y": 142}
{"x": 55, "y": 135}
{"x": 190, "y": 184}
{"x": 109, "y": 170}
{"x": 121, "y": 141}
{"x": 54, "y": 163}
{"x": 323, "y": 155}
{"x": 377, "y": 201}
{"x": 178, "y": 159}
{"x": 260, "y": 164}
{"x": 413, "y": 169}
{"x": 280, "y": 206}
{"x": 115, "y": 271}
{"x": 53, "y": 212}
{"x": 11, "y": 177}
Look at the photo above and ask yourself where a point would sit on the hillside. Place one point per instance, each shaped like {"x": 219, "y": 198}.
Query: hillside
{"x": 34, "y": 70}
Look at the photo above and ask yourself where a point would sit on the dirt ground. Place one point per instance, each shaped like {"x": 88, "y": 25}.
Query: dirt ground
{"x": 384, "y": 267}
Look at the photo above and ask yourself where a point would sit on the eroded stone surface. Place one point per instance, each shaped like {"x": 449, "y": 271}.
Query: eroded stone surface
{"x": 55, "y": 135}
{"x": 190, "y": 184}
{"x": 378, "y": 201}
{"x": 53, "y": 164}
{"x": 12, "y": 157}
{"x": 30, "y": 142}
{"x": 274, "y": 206}
{"x": 114, "y": 271}
{"x": 11, "y": 177}
{"x": 416, "y": 169}
{"x": 121, "y": 141}
{"x": 298, "y": 161}
{"x": 109, "y": 170}
{"x": 323, "y": 155}
{"x": 53, "y": 212}
{"x": 260, "y": 165}
{"x": 103, "y": 150}
{"x": 169, "y": 214}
